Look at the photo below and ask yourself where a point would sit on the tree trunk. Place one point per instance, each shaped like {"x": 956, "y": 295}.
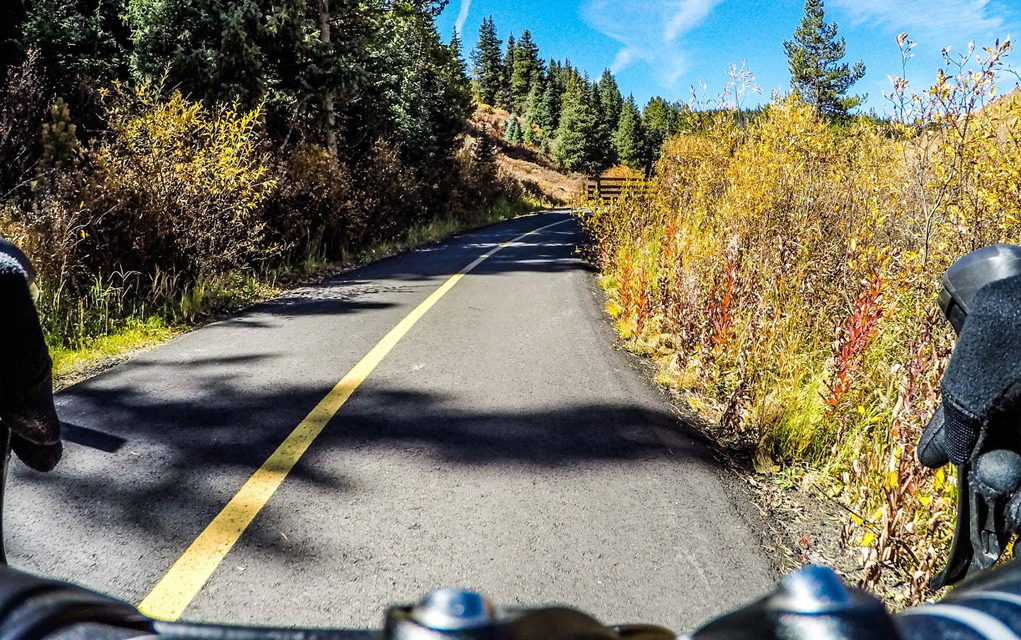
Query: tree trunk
{"x": 331, "y": 117}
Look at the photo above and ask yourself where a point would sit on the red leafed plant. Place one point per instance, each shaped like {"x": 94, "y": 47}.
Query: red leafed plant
{"x": 854, "y": 338}
{"x": 723, "y": 297}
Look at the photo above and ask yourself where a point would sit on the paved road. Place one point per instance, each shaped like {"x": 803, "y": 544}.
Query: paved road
{"x": 503, "y": 444}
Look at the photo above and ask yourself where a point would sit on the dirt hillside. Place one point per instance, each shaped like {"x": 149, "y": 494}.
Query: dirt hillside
{"x": 524, "y": 163}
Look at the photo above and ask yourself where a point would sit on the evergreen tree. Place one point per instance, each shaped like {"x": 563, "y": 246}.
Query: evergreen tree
{"x": 457, "y": 67}
{"x": 296, "y": 57}
{"x": 611, "y": 103}
{"x": 629, "y": 137}
{"x": 506, "y": 94}
{"x": 547, "y": 113}
{"x": 487, "y": 63}
{"x": 576, "y": 147}
{"x": 455, "y": 48}
{"x": 512, "y": 131}
{"x": 555, "y": 76}
{"x": 817, "y": 73}
{"x": 218, "y": 51}
{"x": 529, "y": 134}
{"x": 660, "y": 120}
{"x": 526, "y": 70}
{"x": 604, "y": 155}
{"x": 534, "y": 114}
{"x": 425, "y": 97}
{"x": 75, "y": 40}
{"x": 483, "y": 159}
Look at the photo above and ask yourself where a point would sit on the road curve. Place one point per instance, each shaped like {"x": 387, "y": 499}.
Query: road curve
{"x": 502, "y": 445}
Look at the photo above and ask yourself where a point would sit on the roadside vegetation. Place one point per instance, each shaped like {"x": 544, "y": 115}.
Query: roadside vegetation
{"x": 165, "y": 161}
{"x": 783, "y": 271}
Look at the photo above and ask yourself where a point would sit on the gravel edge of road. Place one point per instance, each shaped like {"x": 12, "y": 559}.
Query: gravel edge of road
{"x": 746, "y": 502}
{"x": 794, "y": 526}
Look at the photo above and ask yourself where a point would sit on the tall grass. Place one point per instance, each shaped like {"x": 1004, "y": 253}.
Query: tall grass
{"x": 785, "y": 275}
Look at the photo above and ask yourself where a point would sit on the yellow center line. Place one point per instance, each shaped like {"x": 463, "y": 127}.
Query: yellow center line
{"x": 175, "y": 591}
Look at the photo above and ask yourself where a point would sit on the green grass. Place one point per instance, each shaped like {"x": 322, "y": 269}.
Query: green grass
{"x": 135, "y": 335}
{"x": 112, "y": 320}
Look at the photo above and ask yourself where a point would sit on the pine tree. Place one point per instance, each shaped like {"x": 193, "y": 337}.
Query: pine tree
{"x": 75, "y": 40}
{"x": 512, "y": 131}
{"x": 547, "y": 114}
{"x": 576, "y": 147}
{"x": 526, "y": 70}
{"x": 534, "y": 114}
{"x": 458, "y": 69}
{"x": 529, "y": 134}
{"x": 611, "y": 103}
{"x": 817, "y": 73}
{"x": 455, "y": 47}
{"x": 660, "y": 120}
{"x": 487, "y": 63}
{"x": 483, "y": 158}
{"x": 506, "y": 93}
{"x": 629, "y": 137}
{"x": 603, "y": 153}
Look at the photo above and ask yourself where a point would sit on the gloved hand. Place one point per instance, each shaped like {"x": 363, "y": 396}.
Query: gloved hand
{"x": 981, "y": 387}
{"x": 26, "y": 383}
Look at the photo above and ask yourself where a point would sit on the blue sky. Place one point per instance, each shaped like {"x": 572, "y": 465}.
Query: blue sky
{"x": 662, "y": 47}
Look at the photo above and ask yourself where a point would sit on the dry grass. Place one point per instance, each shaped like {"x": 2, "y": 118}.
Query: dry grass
{"x": 785, "y": 274}
{"x": 525, "y": 164}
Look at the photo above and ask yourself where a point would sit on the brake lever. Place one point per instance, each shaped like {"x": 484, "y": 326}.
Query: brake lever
{"x": 987, "y": 514}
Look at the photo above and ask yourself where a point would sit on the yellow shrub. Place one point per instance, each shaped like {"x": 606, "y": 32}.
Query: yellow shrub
{"x": 179, "y": 186}
{"x": 794, "y": 272}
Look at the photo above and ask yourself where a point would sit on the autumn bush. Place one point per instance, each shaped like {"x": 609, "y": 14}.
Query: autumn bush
{"x": 785, "y": 273}
{"x": 314, "y": 205}
{"x": 178, "y": 209}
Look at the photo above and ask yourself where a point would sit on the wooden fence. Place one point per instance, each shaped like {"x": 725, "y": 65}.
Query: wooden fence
{"x": 613, "y": 188}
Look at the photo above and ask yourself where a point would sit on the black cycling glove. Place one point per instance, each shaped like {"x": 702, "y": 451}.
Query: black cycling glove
{"x": 26, "y": 383}
{"x": 982, "y": 385}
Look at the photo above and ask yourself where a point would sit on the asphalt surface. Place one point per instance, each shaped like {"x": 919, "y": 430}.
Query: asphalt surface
{"x": 503, "y": 445}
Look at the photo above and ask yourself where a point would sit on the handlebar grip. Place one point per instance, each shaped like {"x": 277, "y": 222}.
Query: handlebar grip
{"x": 987, "y": 607}
{"x": 32, "y": 608}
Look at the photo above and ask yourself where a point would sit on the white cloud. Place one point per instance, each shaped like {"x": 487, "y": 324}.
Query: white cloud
{"x": 462, "y": 15}
{"x": 938, "y": 23}
{"x": 649, "y": 32}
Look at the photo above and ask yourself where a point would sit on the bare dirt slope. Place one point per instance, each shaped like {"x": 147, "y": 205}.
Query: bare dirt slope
{"x": 524, "y": 163}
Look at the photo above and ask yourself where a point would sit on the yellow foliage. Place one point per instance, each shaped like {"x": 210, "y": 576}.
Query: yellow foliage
{"x": 795, "y": 270}
{"x": 189, "y": 180}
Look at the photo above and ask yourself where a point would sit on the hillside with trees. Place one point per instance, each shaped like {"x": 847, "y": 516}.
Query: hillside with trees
{"x": 581, "y": 125}
{"x": 166, "y": 159}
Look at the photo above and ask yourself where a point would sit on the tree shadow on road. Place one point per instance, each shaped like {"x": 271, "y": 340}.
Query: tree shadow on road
{"x": 183, "y": 452}
{"x": 181, "y": 461}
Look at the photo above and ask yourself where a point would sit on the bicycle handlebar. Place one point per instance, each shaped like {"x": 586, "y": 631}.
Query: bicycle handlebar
{"x": 811, "y": 604}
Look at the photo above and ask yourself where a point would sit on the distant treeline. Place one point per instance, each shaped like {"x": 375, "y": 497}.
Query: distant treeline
{"x": 583, "y": 125}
